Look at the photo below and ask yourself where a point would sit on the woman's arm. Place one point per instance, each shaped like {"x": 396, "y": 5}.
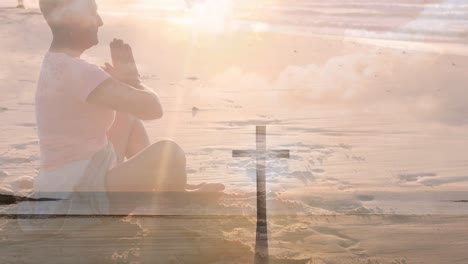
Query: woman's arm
{"x": 125, "y": 92}
{"x": 140, "y": 102}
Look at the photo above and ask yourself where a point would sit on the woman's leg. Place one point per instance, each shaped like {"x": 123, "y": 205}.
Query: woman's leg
{"x": 129, "y": 137}
{"x": 119, "y": 134}
{"x": 160, "y": 166}
{"x": 138, "y": 139}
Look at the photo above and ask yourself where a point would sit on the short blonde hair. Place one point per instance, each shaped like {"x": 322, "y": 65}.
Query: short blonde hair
{"x": 55, "y": 11}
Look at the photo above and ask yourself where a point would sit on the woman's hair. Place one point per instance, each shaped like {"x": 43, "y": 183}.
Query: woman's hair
{"x": 56, "y": 11}
{"x": 52, "y": 8}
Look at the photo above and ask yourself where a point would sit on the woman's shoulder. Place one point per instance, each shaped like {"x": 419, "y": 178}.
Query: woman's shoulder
{"x": 68, "y": 66}
{"x": 66, "y": 60}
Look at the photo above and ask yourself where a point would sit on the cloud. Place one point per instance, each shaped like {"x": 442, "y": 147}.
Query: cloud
{"x": 421, "y": 25}
{"x": 412, "y": 177}
{"x": 430, "y": 179}
{"x": 428, "y": 86}
{"x": 442, "y": 181}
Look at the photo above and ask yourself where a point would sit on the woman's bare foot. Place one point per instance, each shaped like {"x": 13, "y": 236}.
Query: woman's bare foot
{"x": 205, "y": 187}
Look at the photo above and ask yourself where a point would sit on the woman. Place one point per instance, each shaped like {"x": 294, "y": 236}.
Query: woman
{"x": 89, "y": 119}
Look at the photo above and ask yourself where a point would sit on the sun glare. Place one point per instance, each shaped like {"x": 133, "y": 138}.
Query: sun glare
{"x": 209, "y": 16}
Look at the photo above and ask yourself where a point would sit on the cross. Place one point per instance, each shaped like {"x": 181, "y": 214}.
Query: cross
{"x": 261, "y": 153}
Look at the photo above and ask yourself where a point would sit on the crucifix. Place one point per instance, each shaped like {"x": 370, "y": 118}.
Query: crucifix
{"x": 261, "y": 153}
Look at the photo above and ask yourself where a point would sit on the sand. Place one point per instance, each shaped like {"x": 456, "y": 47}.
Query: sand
{"x": 376, "y": 128}
{"x": 293, "y": 239}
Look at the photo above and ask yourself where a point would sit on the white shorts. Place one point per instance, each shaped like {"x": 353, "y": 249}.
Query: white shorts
{"x": 63, "y": 179}
{"x": 80, "y": 187}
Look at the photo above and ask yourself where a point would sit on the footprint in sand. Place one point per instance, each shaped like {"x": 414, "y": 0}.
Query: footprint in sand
{"x": 231, "y": 103}
{"x": 356, "y": 158}
{"x": 191, "y": 171}
{"x": 28, "y": 81}
{"x": 10, "y": 160}
{"x": 150, "y": 77}
{"x": 318, "y": 170}
{"x": 305, "y": 176}
{"x": 30, "y": 13}
{"x": 295, "y": 157}
{"x": 228, "y": 101}
{"x": 365, "y": 197}
{"x": 345, "y": 146}
{"x": 320, "y": 160}
{"x": 24, "y": 145}
{"x": 27, "y": 124}
{"x": 348, "y": 243}
{"x": 195, "y": 111}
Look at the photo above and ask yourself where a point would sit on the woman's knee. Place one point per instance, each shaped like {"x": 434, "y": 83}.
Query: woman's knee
{"x": 168, "y": 149}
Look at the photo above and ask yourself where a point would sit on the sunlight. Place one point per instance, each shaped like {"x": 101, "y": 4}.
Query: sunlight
{"x": 210, "y": 16}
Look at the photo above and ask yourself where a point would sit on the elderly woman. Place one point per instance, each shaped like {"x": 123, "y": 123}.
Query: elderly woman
{"x": 89, "y": 123}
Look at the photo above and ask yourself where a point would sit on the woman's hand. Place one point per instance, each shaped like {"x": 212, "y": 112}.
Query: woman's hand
{"x": 124, "y": 67}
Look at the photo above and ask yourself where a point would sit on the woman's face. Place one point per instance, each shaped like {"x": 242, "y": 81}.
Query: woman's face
{"x": 83, "y": 23}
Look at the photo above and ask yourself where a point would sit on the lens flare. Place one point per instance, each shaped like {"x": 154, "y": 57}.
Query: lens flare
{"x": 210, "y": 16}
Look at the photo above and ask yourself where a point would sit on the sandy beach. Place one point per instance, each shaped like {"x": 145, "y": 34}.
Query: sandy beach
{"x": 372, "y": 110}
{"x": 216, "y": 239}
